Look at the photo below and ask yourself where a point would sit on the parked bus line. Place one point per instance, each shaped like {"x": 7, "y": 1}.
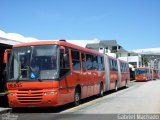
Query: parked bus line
{"x": 53, "y": 73}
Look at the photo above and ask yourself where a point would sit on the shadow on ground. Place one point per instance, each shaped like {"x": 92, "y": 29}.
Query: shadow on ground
{"x": 60, "y": 108}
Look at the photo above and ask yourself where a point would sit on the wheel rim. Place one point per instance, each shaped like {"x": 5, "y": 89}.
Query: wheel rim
{"x": 126, "y": 84}
{"x": 101, "y": 90}
{"x": 77, "y": 98}
{"x": 116, "y": 87}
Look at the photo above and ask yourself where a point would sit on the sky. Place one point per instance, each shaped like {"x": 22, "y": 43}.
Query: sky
{"x": 135, "y": 24}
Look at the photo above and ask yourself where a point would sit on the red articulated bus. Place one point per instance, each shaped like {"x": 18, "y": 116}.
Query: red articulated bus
{"x": 53, "y": 73}
{"x": 143, "y": 74}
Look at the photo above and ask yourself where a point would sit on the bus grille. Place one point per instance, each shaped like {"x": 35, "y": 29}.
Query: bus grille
{"x": 30, "y": 96}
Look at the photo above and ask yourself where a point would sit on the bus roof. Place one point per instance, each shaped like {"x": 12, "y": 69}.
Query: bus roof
{"x": 63, "y": 43}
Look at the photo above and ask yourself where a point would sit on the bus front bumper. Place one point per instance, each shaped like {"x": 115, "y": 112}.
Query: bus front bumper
{"x": 47, "y": 99}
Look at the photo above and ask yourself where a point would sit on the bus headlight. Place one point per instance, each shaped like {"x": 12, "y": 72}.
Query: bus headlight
{"x": 49, "y": 93}
{"x": 11, "y": 94}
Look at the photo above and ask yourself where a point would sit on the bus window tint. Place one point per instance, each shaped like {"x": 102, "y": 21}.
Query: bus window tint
{"x": 124, "y": 67}
{"x": 121, "y": 66}
{"x": 95, "y": 63}
{"x": 113, "y": 65}
{"x": 100, "y": 63}
{"x": 110, "y": 64}
{"x": 83, "y": 61}
{"x": 64, "y": 64}
{"x": 89, "y": 61}
{"x": 75, "y": 60}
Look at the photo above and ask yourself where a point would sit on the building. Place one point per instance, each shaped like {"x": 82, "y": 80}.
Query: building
{"x": 133, "y": 58}
{"x": 112, "y": 48}
{"x": 109, "y": 47}
{"x": 150, "y": 57}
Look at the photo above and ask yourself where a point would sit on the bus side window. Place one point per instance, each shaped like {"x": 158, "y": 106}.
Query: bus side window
{"x": 75, "y": 60}
{"x": 83, "y": 61}
{"x": 89, "y": 61}
{"x": 121, "y": 65}
{"x": 112, "y": 67}
{"x": 64, "y": 61}
{"x": 116, "y": 67}
{"x": 99, "y": 63}
{"x": 95, "y": 62}
{"x": 124, "y": 67}
{"x": 102, "y": 62}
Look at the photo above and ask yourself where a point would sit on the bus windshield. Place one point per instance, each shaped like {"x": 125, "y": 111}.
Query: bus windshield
{"x": 33, "y": 62}
{"x": 140, "y": 71}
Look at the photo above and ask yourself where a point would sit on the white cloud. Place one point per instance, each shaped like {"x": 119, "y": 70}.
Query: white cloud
{"x": 83, "y": 43}
{"x": 2, "y": 33}
{"x": 20, "y": 38}
{"x": 17, "y": 37}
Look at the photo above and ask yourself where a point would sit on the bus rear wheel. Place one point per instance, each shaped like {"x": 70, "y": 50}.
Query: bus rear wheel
{"x": 116, "y": 86}
{"x": 77, "y": 97}
{"x": 101, "y": 91}
{"x": 126, "y": 84}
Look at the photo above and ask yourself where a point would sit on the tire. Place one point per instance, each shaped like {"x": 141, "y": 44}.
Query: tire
{"x": 77, "y": 97}
{"x": 116, "y": 86}
{"x": 126, "y": 84}
{"x": 101, "y": 90}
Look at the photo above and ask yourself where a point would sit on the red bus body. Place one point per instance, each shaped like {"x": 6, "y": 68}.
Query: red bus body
{"x": 143, "y": 74}
{"x": 88, "y": 71}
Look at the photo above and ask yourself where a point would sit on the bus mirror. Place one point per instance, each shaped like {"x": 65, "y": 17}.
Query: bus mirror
{"x": 6, "y": 56}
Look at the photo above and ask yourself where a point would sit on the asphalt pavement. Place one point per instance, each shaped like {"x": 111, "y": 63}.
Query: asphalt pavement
{"x": 139, "y": 98}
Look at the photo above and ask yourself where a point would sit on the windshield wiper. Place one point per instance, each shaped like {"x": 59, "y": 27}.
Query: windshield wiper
{"x": 40, "y": 80}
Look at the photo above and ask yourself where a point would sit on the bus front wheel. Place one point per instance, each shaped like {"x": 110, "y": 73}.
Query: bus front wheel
{"x": 77, "y": 97}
